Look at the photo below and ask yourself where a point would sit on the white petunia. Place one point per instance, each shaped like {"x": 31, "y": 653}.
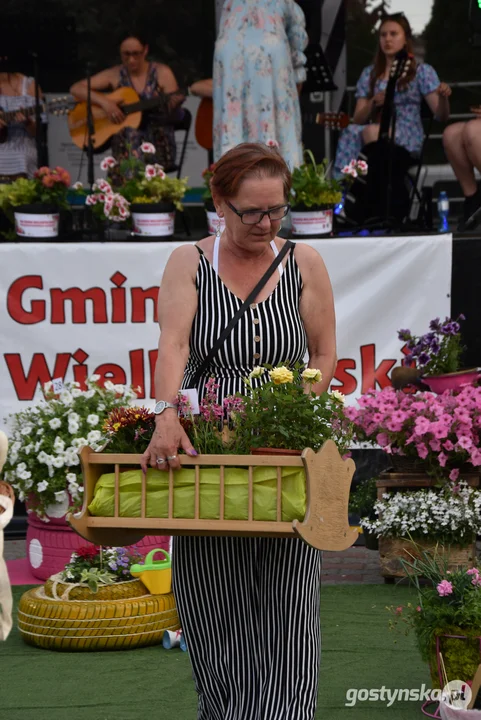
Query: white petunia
{"x": 59, "y": 444}
{"x": 73, "y": 417}
{"x": 55, "y": 423}
{"x": 42, "y": 457}
{"x": 65, "y": 397}
{"x": 26, "y": 429}
{"x": 58, "y": 462}
{"x": 25, "y": 475}
{"x": 60, "y": 496}
{"x": 43, "y": 485}
{"x": 73, "y": 428}
{"x": 93, "y": 420}
{"x": 71, "y": 477}
{"x": 76, "y": 392}
{"x": 119, "y": 389}
{"x": 100, "y": 407}
{"x": 94, "y": 436}
{"x": 94, "y": 378}
{"x": 108, "y": 385}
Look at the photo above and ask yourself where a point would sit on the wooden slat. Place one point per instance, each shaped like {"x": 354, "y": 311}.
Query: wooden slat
{"x": 117, "y": 491}
{"x": 227, "y": 460}
{"x": 221, "y": 493}
{"x": 251, "y": 495}
{"x": 207, "y": 526}
{"x": 143, "y": 496}
{"x": 171, "y": 493}
{"x": 279, "y": 494}
{"x": 197, "y": 492}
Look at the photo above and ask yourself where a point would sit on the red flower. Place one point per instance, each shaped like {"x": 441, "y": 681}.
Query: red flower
{"x": 87, "y": 552}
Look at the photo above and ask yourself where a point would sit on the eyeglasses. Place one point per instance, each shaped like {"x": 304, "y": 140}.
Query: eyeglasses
{"x": 131, "y": 53}
{"x": 253, "y": 217}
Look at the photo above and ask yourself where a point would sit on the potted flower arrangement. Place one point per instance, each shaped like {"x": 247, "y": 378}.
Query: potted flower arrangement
{"x": 446, "y": 618}
{"x": 99, "y": 586}
{"x": 279, "y": 417}
{"x": 314, "y": 196}
{"x": 213, "y": 220}
{"x": 33, "y": 205}
{"x": 450, "y": 517}
{"x": 441, "y": 433}
{"x": 44, "y": 467}
{"x": 433, "y": 360}
{"x": 140, "y": 190}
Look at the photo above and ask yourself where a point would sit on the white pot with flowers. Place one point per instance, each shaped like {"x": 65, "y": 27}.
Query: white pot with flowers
{"x": 214, "y": 222}
{"x": 44, "y": 467}
{"x": 314, "y": 196}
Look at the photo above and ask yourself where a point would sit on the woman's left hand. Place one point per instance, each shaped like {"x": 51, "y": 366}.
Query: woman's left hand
{"x": 444, "y": 90}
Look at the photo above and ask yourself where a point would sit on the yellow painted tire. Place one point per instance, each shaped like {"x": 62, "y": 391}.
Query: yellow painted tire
{"x": 95, "y": 624}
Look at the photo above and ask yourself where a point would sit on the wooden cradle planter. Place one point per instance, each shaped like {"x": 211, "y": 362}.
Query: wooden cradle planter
{"x": 325, "y": 525}
{"x": 121, "y": 616}
{"x": 392, "y": 550}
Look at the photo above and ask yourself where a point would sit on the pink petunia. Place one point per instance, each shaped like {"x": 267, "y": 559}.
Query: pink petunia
{"x": 444, "y": 588}
{"x": 454, "y": 474}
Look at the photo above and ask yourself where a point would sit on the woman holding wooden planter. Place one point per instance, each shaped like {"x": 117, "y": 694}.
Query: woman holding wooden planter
{"x": 249, "y": 607}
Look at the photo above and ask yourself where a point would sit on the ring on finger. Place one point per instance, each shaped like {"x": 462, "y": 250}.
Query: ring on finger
{"x": 171, "y": 457}
{"x": 160, "y": 460}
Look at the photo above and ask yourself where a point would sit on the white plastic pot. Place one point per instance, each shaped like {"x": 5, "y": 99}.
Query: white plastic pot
{"x": 153, "y": 220}
{"x": 213, "y": 221}
{"x": 315, "y": 222}
{"x": 35, "y": 221}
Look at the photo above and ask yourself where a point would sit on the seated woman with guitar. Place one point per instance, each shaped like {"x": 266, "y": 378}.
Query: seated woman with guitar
{"x": 156, "y": 88}
{"x": 419, "y": 81}
{"x": 18, "y": 150}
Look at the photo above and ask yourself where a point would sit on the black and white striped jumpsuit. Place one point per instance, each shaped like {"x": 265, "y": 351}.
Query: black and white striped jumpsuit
{"x": 249, "y": 607}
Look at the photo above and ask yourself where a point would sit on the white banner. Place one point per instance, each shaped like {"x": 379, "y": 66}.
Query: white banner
{"x": 70, "y": 310}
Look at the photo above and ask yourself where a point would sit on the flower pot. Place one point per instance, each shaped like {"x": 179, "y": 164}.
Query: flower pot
{"x": 153, "y": 220}
{"x": 461, "y": 651}
{"x": 50, "y": 545}
{"x": 371, "y": 541}
{"x": 315, "y": 221}
{"x": 36, "y": 221}
{"x": 274, "y": 451}
{"x": 213, "y": 220}
{"x": 451, "y": 381}
{"x": 393, "y": 549}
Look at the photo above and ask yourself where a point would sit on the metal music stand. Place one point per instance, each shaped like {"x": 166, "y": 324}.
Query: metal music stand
{"x": 319, "y": 81}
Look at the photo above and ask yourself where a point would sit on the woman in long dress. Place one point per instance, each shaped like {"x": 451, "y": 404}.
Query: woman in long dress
{"x": 258, "y": 70}
{"x": 249, "y": 607}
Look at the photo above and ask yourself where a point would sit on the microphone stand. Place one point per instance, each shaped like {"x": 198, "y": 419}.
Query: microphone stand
{"x": 39, "y": 140}
{"x": 90, "y": 132}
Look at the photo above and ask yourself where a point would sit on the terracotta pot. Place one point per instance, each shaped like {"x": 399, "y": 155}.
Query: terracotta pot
{"x": 274, "y": 451}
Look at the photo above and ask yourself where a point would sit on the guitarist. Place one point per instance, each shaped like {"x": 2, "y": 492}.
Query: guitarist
{"x": 149, "y": 80}
{"x": 421, "y": 81}
{"x": 18, "y": 150}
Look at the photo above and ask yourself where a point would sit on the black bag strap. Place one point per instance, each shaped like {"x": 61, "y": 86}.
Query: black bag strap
{"x": 288, "y": 245}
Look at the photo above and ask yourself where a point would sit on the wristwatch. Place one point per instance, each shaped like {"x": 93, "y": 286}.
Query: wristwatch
{"x": 163, "y": 405}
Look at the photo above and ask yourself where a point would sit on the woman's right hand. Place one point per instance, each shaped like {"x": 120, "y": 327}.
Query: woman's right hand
{"x": 168, "y": 437}
{"x": 113, "y": 111}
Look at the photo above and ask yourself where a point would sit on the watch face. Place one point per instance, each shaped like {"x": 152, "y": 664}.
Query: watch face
{"x": 160, "y": 407}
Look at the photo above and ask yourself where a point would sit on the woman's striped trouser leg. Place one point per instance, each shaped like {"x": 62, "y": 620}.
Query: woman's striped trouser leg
{"x": 249, "y": 609}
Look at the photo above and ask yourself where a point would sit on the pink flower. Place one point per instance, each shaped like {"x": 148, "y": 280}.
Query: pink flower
{"x": 475, "y": 457}
{"x": 422, "y": 450}
{"x": 150, "y": 171}
{"x": 454, "y": 474}
{"x": 422, "y": 425}
{"x": 444, "y": 588}
{"x": 418, "y": 609}
{"x": 382, "y": 439}
{"x": 448, "y": 445}
{"x": 442, "y": 459}
{"x": 159, "y": 170}
{"x": 104, "y": 186}
{"x": 399, "y": 610}
{"x": 147, "y": 148}
{"x": 362, "y": 167}
{"x": 91, "y": 200}
{"x": 108, "y": 162}
{"x": 272, "y": 143}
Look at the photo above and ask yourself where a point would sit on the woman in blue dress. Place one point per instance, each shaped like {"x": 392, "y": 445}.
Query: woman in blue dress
{"x": 421, "y": 81}
{"x": 258, "y": 71}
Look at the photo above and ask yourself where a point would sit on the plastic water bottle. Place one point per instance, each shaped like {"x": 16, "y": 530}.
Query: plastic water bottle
{"x": 443, "y": 211}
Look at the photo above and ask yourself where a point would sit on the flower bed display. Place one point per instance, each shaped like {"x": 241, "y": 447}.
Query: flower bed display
{"x": 96, "y": 604}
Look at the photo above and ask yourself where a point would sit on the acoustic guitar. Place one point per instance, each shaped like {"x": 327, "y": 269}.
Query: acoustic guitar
{"x": 57, "y": 106}
{"x": 132, "y": 106}
{"x": 332, "y": 120}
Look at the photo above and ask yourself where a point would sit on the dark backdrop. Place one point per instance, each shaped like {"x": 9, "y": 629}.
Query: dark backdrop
{"x": 67, "y": 35}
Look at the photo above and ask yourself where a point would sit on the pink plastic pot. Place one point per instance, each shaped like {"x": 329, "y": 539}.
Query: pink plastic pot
{"x": 451, "y": 381}
{"x": 50, "y": 545}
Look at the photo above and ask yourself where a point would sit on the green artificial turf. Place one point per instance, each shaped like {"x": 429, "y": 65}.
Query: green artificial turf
{"x": 358, "y": 651}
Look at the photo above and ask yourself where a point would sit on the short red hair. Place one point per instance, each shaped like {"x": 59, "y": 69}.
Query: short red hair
{"x": 248, "y": 160}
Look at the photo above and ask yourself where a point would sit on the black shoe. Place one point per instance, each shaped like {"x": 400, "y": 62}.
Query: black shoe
{"x": 471, "y": 212}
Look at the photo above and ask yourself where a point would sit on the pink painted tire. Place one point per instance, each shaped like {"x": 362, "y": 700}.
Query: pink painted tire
{"x": 49, "y": 545}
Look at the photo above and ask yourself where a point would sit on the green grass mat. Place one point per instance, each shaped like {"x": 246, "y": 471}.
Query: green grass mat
{"x": 358, "y": 651}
